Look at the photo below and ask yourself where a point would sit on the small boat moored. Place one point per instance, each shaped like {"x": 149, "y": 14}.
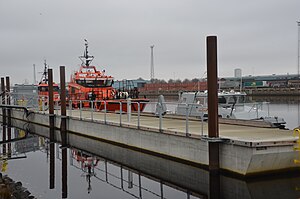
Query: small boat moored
{"x": 231, "y": 105}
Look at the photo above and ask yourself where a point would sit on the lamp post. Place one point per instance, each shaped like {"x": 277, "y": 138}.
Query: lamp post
{"x": 298, "y": 23}
{"x": 152, "y": 65}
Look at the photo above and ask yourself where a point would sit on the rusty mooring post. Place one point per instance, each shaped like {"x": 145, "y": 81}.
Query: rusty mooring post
{"x": 63, "y": 130}
{"x": 8, "y": 101}
{"x": 51, "y": 103}
{"x": 52, "y": 128}
{"x": 63, "y": 103}
{"x": 3, "y": 93}
{"x": 8, "y": 116}
{"x": 212, "y": 83}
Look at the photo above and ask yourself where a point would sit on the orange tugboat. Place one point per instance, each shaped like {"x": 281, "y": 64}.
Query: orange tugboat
{"x": 90, "y": 87}
{"x": 43, "y": 87}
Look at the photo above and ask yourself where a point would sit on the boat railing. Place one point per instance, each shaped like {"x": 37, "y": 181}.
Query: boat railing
{"x": 258, "y": 107}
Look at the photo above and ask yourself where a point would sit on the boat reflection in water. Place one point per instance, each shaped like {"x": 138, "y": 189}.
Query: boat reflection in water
{"x": 96, "y": 169}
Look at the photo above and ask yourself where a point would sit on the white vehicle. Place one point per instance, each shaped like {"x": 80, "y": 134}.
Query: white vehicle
{"x": 230, "y": 105}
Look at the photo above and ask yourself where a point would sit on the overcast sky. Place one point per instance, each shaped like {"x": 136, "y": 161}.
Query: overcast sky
{"x": 258, "y": 36}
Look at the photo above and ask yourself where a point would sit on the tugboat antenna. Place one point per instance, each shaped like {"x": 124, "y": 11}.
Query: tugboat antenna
{"x": 45, "y": 73}
{"x": 86, "y": 59}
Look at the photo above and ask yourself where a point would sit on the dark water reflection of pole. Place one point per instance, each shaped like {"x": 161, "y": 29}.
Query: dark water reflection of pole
{"x": 214, "y": 185}
{"x": 64, "y": 172}
{"x": 52, "y": 165}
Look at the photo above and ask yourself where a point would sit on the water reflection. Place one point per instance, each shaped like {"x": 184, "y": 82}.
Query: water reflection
{"x": 91, "y": 169}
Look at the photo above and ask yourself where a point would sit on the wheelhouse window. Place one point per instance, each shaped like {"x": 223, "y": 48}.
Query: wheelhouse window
{"x": 95, "y": 83}
{"x": 46, "y": 88}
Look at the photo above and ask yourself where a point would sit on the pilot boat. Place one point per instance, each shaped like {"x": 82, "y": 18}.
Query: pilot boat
{"x": 231, "y": 105}
{"x": 43, "y": 87}
{"x": 90, "y": 87}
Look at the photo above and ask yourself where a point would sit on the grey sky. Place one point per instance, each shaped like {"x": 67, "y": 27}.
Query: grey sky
{"x": 260, "y": 37}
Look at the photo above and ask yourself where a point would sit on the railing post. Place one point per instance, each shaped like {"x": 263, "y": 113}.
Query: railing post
{"x": 202, "y": 115}
{"x": 92, "y": 110}
{"x": 256, "y": 110}
{"x": 70, "y": 108}
{"x": 128, "y": 109}
{"x": 80, "y": 109}
{"x": 43, "y": 104}
{"x": 160, "y": 117}
{"x": 186, "y": 121}
{"x": 120, "y": 113}
{"x": 104, "y": 112}
{"x": 139, "y": 113}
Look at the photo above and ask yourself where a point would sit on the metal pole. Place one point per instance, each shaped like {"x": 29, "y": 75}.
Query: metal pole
{"x": 51, "y": 104}
{"x": 63, "y": 129}
{"x": 63, "y": 126}
{"x": 213, "y": 123}
{"x": 160, "y": 117}
{"x": 3, "y": 101}
{"x": 104, "y": 112}
{"x": 8, "y": 101}
{"x": 51, "y": 123}
{"x": 152, "y": 65}
{"x": 298, "y": 65}
{"x": 120, "y": 113}
{"x": 186, "y": 121}
{"x": 70, "y": 108}
{"x": 80, "y": 108}
{"x": 139, "y": 113}
{"x": 92, "y": 110}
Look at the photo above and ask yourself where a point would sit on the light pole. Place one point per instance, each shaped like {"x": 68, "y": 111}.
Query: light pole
{"x": 298, "y": 23}
{"x": 152, "y": 65}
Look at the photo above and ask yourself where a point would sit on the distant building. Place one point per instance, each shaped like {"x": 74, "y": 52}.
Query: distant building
{"x": 238, "y": 73}
{"x": 25, "y": 94}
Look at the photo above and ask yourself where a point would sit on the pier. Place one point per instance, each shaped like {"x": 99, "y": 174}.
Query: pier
{"x": 244, "y": 150}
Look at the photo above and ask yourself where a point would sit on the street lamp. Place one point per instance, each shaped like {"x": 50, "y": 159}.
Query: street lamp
{"x": 298, "y": 23}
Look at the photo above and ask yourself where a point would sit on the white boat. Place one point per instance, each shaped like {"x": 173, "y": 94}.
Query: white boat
{"x": 230, "y": 105}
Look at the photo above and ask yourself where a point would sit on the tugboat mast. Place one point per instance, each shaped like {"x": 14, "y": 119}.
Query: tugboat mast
{"x": 86, "y": 59}
{"x": 44, "y": 78}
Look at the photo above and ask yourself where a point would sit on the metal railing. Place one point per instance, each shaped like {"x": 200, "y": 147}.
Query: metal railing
{"x": 136, "y": 116}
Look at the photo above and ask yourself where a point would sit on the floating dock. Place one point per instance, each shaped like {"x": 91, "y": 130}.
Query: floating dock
{"x": 244, "y": 150}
